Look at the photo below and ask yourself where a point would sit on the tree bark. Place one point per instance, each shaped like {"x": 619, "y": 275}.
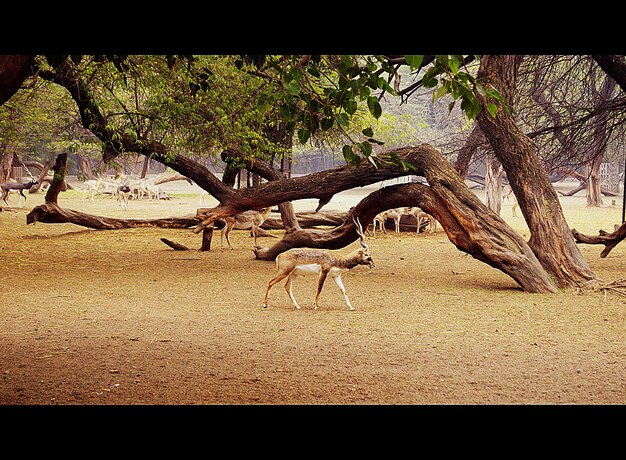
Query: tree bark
{"x": 551, "y": 239}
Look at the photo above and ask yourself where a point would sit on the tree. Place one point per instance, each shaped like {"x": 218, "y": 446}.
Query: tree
{"x": 467, "y": 222}
{"x": 551, "y": 239}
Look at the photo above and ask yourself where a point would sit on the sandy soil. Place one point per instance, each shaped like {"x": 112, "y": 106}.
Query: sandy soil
{"x": 117, "y": 317}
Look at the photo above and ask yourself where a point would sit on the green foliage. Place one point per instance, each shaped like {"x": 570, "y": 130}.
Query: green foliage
{"x": 258, "y": 104}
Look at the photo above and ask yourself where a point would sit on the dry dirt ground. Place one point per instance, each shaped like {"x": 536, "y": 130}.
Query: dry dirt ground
{"x": 117, "y": 317}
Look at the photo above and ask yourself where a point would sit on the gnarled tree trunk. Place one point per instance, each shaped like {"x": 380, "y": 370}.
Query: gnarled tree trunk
{"x": 469, "y": 224}
{"x": 551, "y": 239}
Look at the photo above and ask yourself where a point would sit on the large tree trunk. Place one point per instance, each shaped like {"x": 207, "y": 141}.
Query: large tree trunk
{"x": 551, "y": 239}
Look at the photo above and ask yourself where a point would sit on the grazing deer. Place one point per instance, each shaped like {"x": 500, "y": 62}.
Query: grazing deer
{"x": 250, "y": 219}
{"x": 381, "y": 218}
{"x": 296, "y": 261}
{"x": 421, "y": 218}
{"x": 8, "y": 187}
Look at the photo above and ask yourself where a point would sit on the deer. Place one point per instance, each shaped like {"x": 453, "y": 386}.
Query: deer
{"x": 122, "y": 193}
{"x": 379, "y": 221}
{"x": 297, "y": 261}
{"x": 251, "y": 219}
{"x": 396, "y": 215}
{"x": 8, "y": 187}
{"x": 421, "y": 216}
{"x": 381, "y": 218}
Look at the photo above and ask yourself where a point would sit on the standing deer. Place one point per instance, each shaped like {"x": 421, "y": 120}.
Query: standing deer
{"x": 8, "y": 187}
{"x": 122, "y": 193}
{"x": 250, "y": 219}
{"x": 296, "y": 261}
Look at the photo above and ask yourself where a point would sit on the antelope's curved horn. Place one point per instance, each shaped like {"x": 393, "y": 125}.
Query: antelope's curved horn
{"x": 359, "y": 230}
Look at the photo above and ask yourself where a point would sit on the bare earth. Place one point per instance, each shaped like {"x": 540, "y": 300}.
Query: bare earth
{"x": 116, "y": 317}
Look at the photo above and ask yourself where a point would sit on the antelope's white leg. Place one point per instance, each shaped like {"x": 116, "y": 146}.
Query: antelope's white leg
{"x": 343, "y": 291}
{"x": 288, "y": 284}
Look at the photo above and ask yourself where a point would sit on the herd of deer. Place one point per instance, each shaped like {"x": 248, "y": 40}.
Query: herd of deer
{"x": 421, "y": 219}
{"x": 123, "y": 188}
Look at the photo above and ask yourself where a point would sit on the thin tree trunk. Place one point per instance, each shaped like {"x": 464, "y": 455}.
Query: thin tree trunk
{"x": 464, "y": 158}
{"x": 598, "y": 147}
{"x": 144, "y": 169}
{"x": 493, "y": 184}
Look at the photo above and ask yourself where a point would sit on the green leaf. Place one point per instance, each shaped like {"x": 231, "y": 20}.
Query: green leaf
{"x": 454, "y": 62}
{"x": 374, "y": 107}
{"x": 429, "y": 80}
{"x": 293, "y": 88}
{"x": 342, "y": 119}
{"x": 414, "y": 61}
{"x": 349, "y": 155}
{"x": 441, "y": 91}
{"x": 326, "y": 123}
{"x": 350, "y": 106}
{"x": 366, "y": 148}
{"x": 369, "y": 132}
{"x": 492, "y": 109}
{"x": 303, "y": 135}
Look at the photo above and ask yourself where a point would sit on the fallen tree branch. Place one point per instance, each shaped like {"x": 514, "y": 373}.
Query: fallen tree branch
{"x": 609, "y": 240}
{"x": 617, "y": 286}
{"x": 51, "y": 213}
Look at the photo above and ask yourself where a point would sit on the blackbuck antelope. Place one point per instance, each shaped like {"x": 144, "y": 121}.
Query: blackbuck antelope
{"x": 247, "y": 220}
{"x": 8, "y": 187}
{"x": 297, "y": 261}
